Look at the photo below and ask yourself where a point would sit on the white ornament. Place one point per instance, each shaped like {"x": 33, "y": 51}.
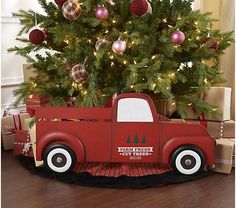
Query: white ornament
{"x": 119, "y": 46}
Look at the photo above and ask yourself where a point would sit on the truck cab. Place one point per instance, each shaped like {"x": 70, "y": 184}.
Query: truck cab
{"x": 126, "y": 130}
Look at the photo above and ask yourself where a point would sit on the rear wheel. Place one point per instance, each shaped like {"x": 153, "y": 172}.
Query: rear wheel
{"x": 59, "y": 158}
{"x": 188, "y": 160}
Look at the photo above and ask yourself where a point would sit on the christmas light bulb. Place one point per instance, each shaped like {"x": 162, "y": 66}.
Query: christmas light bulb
{"x": 30, "y": 96}
{"x": 189, "y": 104}
{"x": 85, "y": 92}
{"x": 113, "y": 21}
{"x": 124, "y": 62}
{"x": 164, "y": 20}
{"x": 153, "y": 57}
{"x": 112, "y": 63}
{"x": 95, "y": 53}
{"x": 111, "y": 56}
{"x": 135, "y": 62}
{"x": 131, "y": 86}
{"x": 173, "y": 103}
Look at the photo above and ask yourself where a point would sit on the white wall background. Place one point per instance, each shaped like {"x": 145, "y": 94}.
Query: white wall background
{"x": 11, "y": 65}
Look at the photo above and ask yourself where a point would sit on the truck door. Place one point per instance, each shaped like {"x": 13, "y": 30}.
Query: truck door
{"x": 135, "y": 131}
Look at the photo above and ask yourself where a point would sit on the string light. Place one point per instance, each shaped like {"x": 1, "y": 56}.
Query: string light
{"x": 85, "y": 92}
{"x": 131, "y": 86}
{"x": 172, "y": 75}
{"x": 111, "y": 56}
{"x": 154, "y": 86}
{"x": 173, "y": 104}
{"x": 124, "y": 62}
{"x": 159, "y": 78}
{"x": 130, "y": 22}
{"x": 135, "y": 62}
{"x": 89, "y": 41}
{"x": 189, "y": 39}
{"x": 170, "y": 26}
{"x": 112, "y": 63}
{"x": 153, "y": 57}
{"x": 203, "y": 62}
{"x": 197, "y": 38}
{"x": 168, "y": 88}
{"x": 113, "y": 21}
{"x": 66, "y": 41}
{"x": 179, "y": 18}
{"x": 196, "y": 23}
{"x": 133, "y": 42}
{"x": 176, "y": 46}
{"x": 214, "y": 109}
{"x": 189, "y": 104}
{"x": 205, "y": 80}
{"x": 229, "y": 42}
{"x": 107, "y": 31}
{"x": 164, "y": 20}
{"x": 35, "y": 85}
{"x": 95, "y": 53}
{"x": 30, "y": 96}
{"x": 126, "y": 32}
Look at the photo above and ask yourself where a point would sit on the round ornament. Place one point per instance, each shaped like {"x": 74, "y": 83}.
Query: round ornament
{"x": 70, "y": 101}
{"x": 78, "y": 73}
{"x": 177, "y": 37}
{"x": 37, "y": 36}
{"x": 100, "y": 42}
{"x": 119, "y": 46}
{"x": 71, "y": 10}
{"x": 101, "y": 13}
{"x": 140, "y": 7}
{"x": 60, "y": 2}
{"x": 212, "y": 43}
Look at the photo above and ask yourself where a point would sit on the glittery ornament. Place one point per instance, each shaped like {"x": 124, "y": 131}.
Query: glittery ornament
{"x": 100, "y": 42}
{"x": 177, "y": 37}
{"x": 119, "y": 46}
{"x": 140, "y": 7}
{"x": 37, "y": 36}
{"x": 101, "y": 13}
{"x": 60, "y": 2}
{"x": 79, "y": 73}
{"x": 71, "y": 10}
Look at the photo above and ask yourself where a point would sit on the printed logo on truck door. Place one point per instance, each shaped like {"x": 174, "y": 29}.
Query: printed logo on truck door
{"x": 135, "y": 153}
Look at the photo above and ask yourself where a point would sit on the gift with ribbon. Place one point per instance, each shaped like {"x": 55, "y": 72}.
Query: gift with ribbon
{"x": 217, "y": 129}
{"x": 9, "y": 125}
{"x": 224, "y": 155}
{"x": 216, "y": 96}
{"x": 22, "y": 144}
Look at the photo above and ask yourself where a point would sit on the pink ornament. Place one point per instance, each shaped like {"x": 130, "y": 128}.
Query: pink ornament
{"x": 177, "y": 37}
{"x": 101, "y": 13}
{"x": 119, "y": 46}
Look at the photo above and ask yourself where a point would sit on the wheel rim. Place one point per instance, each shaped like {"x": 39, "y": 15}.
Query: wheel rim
{"x": 59, "y": 160}
{"x": 188, "y": 162}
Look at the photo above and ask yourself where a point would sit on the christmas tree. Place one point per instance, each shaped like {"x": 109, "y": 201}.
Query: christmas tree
{"x": 96, "y": 48}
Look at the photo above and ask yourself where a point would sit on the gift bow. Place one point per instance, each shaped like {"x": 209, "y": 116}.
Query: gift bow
{"x": 17, "y": 125}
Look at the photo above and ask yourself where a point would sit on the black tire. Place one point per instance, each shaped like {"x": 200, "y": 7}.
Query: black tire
{"x": 59, "y": 158}
{"x": 188, "y": 160}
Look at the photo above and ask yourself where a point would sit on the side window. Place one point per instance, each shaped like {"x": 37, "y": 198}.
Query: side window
{"x": 133, "y": 110}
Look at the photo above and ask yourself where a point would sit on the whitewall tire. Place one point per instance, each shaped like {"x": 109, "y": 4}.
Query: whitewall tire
{"x": 59, "y": 158}
{"x": 188, "y": 160}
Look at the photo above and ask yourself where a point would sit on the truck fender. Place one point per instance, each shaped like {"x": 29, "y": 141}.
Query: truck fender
{"x": 205, "y": 144}
{"x": 60, "y": 138}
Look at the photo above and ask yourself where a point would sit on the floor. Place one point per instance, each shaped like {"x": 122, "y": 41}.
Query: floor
{"x": 22, "y": 189}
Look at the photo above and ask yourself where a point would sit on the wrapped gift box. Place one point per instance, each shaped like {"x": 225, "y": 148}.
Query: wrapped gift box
{"x": 28, "y": 72}
{"x": 9, "y": 125}
{"x": 36, "y": 101}
{"x": 224, "y": 155}
{"x": 217, "y": 96}
{"x": 22, "y": 144}
{"x": 223, "y": 129}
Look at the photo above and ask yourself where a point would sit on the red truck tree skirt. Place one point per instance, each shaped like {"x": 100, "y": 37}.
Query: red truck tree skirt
{"x": 119, "y": 169}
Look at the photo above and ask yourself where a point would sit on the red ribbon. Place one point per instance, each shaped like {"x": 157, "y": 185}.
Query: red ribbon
{"x": 17, "y": 125}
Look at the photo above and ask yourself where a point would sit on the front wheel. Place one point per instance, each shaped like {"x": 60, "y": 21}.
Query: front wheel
{"x": 59, "y": 158}
{"x": 188, "y": 160}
